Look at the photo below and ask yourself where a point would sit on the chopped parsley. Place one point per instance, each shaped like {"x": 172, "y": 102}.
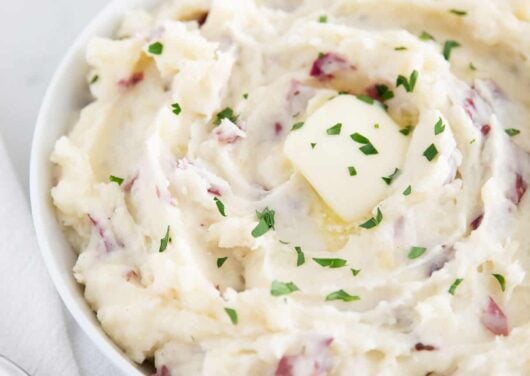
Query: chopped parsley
{"x": 342, "y": 295}
{"x": 388, "y": 179}
{"x": 407, "y": 191}
{"x": 352, "y": 171}
{"x": 334, "y": 130}
{"x": 406, "y": 131}
{"x": 266, "y": 222}
{"x": 416, "y": 252}
{"x": 115, "y": 179}
{"x": 439, "y": 127}
{"x": 448, "y": 47}
{"x": 297, "y": 126}
{"x": 472, "y": 67}
{"x": 455, "y": 284}
{"x": 367, "y": 148}
{"x": 400, "y": 48}
{"x": 156, "y": 48}
{"x": 365, "y": 98}
{"x": 512, "y": 132}
{"x": 355, "y": 272}
{"x": 376, "y": 125}
{"x": 409, "y": 83}
{"x": 227, "y": 113}
{"x": 426, "y": 36}
{"x": 164, "y": 241}
{"x": 232, "y": 314}
{"x": 313, "y": 144}
{"x": 502, "y": 281}
{"x": 220, "y": 206}
{"x": 332, "y": 263}
{"x": 94, "y": 79}
{"x": 458, "y": 12}
{"x": 221, "y": 261}
{"x": 384, "y": 92}
{"x": 176, "y": 109}
{"x": 430, "y": 153}
{"x": 323, "y": 19}
{"x": 374, "y": 221}
{"x": 283, "y": 288}
{"x": 300, "y": 257}
{"x": 284, "y": 242}
{"x": 245, "y": 96}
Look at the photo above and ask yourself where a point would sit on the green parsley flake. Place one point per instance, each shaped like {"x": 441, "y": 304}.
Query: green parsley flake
{"x": 245, "y": 96}
{"x": 458, "y": 12}
{"x": 407, "y": 191}
{"x": 416, "y": 252}
{"x": 455, "y": 284}
{"x": 156, "y": 48}
{"x": 220, "y": 206}
{"x": 221, "y": 261}
{"x": 400, "y": 48}
{"x": 300, "y": 257}
{"x": 367, "y": 148}
{"x": 297, "y": 126}
{"x": 342, "y": 295}
{"x": 365, "y": 98}
{"x": 426, "y": 36}
{"x": 352, "y": 171}
{"x": 355, "y": 272}
{"x": 388, "y": 179}
{"x": 406, "y": 131}
{"x": 283, "y": 288}
{"x": 266, "y": 222}
{"x": 232, "y": 314}
{"x": 323, "y": 19}
{"x": 384, "y": 92}
{"x": 164, "y": 241}
{"x": 408, "y": 84}
{"x": 448, "y": 47}
{"x": 512, "y": 132}
{"x": 334, "y": 130}
{"x": 94, "y": 79}
{"x": 227, "y": 113}
{"x": 284, "y": 242}
{"x": 472, "y": 141}
{"x": 332, "y": 263}
{"x": 430, "y": 153}
{"x": 472, "y": 67}
{"x": 376, "y": 125}
{"x": 115, "y": 179}
{"x": 374, "y": 221}
{"x": 313, "y": 145}
{"x": 439, "y": 127}
{"x": 176, "y": 109}
{"x": 502, "y": 281}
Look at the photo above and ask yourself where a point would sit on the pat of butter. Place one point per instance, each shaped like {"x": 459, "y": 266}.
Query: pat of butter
{"x": 325, "y": 159}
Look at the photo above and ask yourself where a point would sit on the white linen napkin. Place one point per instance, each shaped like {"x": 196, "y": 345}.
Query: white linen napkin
{"x": 36, "y": 332}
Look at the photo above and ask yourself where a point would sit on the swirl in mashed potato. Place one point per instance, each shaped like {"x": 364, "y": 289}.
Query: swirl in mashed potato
{"x": 267, "y": 187}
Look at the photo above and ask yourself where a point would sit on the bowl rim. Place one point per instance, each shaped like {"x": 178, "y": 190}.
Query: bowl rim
{"x": 40, "y": 208}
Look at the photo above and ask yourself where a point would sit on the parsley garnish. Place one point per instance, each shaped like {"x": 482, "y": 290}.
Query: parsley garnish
{"x": 376, "y": 125}
{"x": 388, "y": 179}
{"x": 232, "y": 314}
{"x": 426, "y": 36}
{"x": 448, "y": 47}
{"x": 227, "y": 113}
{"x": 300, "y": 258}
{"x": 164, "y": 241}
{"x": 384, "y": 92}
{"x": 342, "y": 295}
{"x": 355, "y": 272}
{"x": 334, "y": 130}
{"x": 313, "y": 144}
{"x": 406, "y": 131}
{"x": 283, "y": 288}
{"x": 367, "y": 148}
{"x": 400, "y": 48}
{"x": 374, "y": 221}
{"x": 502, "y": 281}
{"x": 352, "y": 171}
{"x": 332, "y": 263}
{"x": 408, "y": 84}
{"x": 115, "y": 179}
{"x": 266, "y": 222}
{"x": 245, "y": 96}
{"x": 512, "y": 132}
{"x": 407, "y": 191}
{"x": 458, "y": 12}
{"x": 297, "y": 126}
{"x": 365, "y": 98}
{"x": 430, "y": 153}
{"x": 455, "y": 284}
{"x": 94, "y": 79}
{"x": 472, "y": 67}
{"x": 175, "y": 108}
{"x": 416, "y": 252}
{"x": 323, "y": 19}
{"x": 156, "y": 48}
{"x": 439, "y": 127}
{"x": 220, "y": 206}
{"x": 221, "y": 261}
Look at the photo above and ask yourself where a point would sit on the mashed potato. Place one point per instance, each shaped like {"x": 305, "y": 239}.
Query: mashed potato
{"x": 319, "y": 187}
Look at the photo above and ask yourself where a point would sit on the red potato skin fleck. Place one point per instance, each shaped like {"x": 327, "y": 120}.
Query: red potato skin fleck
{"x": 287, "y": 362}
{"x": 109, "y": 245}
{"x": 486, "y": 129}
{"x": 477, "y": 222}
{"x": 469, "y": 107}
{"x": 285, "y": 365}
{"x": 131, "y": 274}
{"x": 520, "y": 188}
{"x": 163, "y": 371}
{"x": 278, "y": 128}
{"x": 129, "y": 184}
{"x": 494, "y": 319}
{"x": 131, "y": 81}
{"x": 214, "y": 191}
{"x": 328, "y": 64}
{"x": 372, "y": 92}
{"x": 422, "y": 347}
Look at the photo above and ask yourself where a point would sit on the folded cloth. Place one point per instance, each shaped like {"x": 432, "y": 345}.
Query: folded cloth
{"x": 35, "y": 331}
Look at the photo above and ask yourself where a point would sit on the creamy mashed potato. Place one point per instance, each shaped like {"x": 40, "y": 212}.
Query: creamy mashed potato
{"x": 319, "y": 187}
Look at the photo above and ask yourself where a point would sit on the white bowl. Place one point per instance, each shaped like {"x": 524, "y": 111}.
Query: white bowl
{"x": 66, "y": 96}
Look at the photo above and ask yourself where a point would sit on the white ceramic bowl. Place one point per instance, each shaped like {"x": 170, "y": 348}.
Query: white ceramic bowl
{"x": 66, "y": 96}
